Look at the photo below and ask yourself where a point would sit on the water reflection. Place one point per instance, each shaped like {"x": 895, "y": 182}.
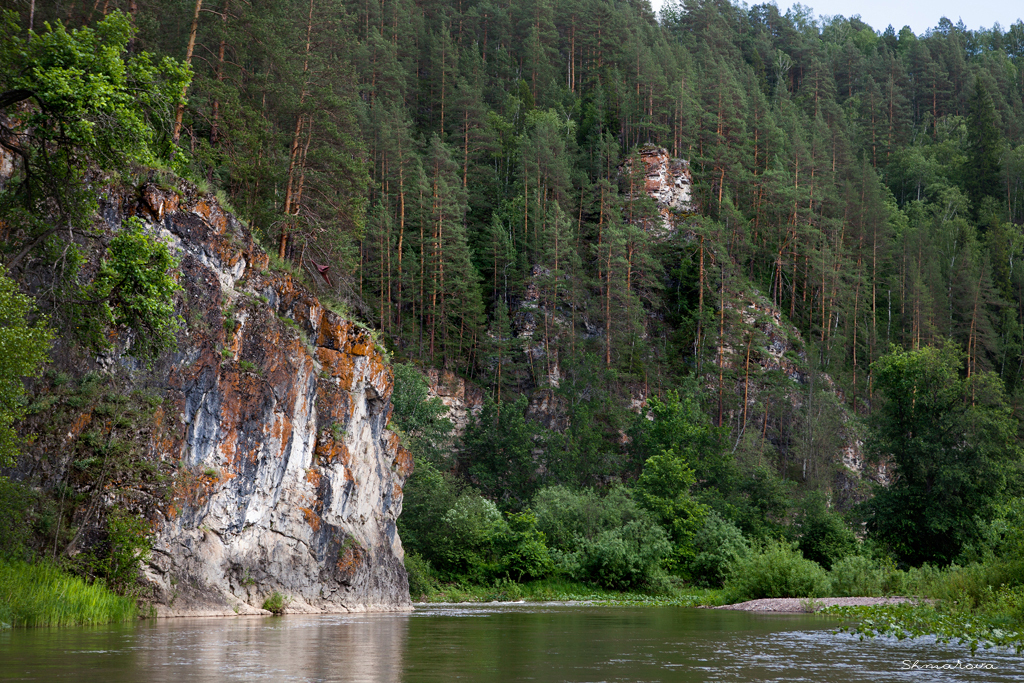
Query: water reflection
{"x": 341, "y": 649}
{"x": 488, "y": 644}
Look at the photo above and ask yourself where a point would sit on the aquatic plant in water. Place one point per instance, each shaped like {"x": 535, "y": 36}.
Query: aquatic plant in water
{"x": 912, "y": 620}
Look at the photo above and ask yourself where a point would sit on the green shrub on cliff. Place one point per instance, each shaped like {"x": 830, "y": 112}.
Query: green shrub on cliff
{"x": 90, "y": 103}
{"x": 133, "y": 291}
{"x": 422, "y": 421}
{"x": 24, "y": 348}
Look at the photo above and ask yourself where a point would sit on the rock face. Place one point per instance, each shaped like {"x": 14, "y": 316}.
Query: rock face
{"x": 464, "y": 400}
{"x": 288, "y": 479}
{"x": 667, "y": 182}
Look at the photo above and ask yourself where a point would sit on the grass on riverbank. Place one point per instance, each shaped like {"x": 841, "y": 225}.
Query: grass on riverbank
{"x": 43, "y": 595}
{"x": 561, "y": 590}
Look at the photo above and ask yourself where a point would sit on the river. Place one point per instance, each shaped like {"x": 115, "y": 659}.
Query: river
{"x": 490, "y": 643}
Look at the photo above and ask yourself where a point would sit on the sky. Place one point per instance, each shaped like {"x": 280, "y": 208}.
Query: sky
{"x": 919, "y": 15}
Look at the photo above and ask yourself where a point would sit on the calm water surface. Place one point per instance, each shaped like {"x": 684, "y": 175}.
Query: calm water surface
{"x": 488, "y": 644}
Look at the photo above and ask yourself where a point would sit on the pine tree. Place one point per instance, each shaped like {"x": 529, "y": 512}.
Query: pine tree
{"x": 982, "y": 171}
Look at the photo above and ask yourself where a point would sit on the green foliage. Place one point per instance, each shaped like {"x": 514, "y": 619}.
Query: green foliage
{"x": 88, "y": 103}
{"x": 681, "y": 426}
{"x": 16, "y": 502}
{"x": 1009, "y": 544}
{"x": 43, "y": 595}
{"x": 608, "y": 539}
{"x": 466, "y": 537}
{"x": 129, "y": 541}
{"x": 625, "y": 557}
{"x": 951, "y": 441}
{"x": 909, "y": 620}
{"x": 567, "y": 517}
{"x": 776, "y": 571}
{"x": 428, "y": 432}
{"x": 421, "y": 581}
{"x": 24, "y": 348}
{"x": 982, "y": 170}
{"x": 856, "y": 575}
{"x": 498, "y": 453}
{"x": 822, "y": 535}
{"x": 664, "y": 489}
{"x": 133, "y": 291}
{"x": 717, "y": 545}
{"x": 523, "y": 553}
{"x": 275, "y": 603}
{"x": 463, "y": 535}
{"x": 248, "y": 366}
{"x": 428, "y": 494}
{"x": 92, "y": 95}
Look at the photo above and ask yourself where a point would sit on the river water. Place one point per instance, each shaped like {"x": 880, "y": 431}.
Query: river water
{"x": 491, "y": 643}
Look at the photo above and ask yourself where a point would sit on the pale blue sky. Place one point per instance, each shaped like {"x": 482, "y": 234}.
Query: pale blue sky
{"x": 920, "y": 15}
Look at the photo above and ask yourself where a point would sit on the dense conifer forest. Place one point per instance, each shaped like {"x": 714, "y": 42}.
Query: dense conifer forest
{"x": 466, "y": 175}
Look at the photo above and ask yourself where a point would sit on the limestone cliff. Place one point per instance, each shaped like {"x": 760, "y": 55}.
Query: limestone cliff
{"x": 281, "y": 474}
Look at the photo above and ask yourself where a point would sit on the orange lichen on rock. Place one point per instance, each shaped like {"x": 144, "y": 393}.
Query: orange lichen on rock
{"x": 191, "y": 490}
{"x": 350, "y": 556}
{"x": 379, "y": 374}
{"x": 312, "y": 519}
{"x": 282, "y": 430}
{"x": 158, "y": 201}
{"x": 313, "y": 476}
{"x": 79, "y": 424}
{"x": 202, "y": 208}
{"x": 212, "y": 213}
{"x": 403, "y": 462}
{"x": 338, "y": 365}
{"x": 329, "y": 451}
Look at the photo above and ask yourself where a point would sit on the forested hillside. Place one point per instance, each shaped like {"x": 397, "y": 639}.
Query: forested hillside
{"x": 445, "y": 158}
{"x": 466, "y": 175}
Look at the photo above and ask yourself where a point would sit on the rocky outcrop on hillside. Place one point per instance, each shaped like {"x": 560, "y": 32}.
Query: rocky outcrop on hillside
{"x": 464, "y": 400}
{"x": 760, "y": 350}
{"x": 668, "y": 182}
{"x": 272, "y": 430}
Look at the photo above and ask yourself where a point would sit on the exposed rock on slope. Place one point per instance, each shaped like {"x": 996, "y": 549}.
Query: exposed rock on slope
{"x": 463, "y": 399}
{"x": 760, "y": 349}
{"x": 668, "y": 182}
{"x": 274, "y": 425}
{"x": 289, "y": 405}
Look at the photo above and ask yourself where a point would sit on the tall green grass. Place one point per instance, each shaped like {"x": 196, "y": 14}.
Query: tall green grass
{"x": 43, "y": 595}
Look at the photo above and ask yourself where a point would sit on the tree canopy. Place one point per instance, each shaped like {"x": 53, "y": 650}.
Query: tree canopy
{"x": 950, "y": 441}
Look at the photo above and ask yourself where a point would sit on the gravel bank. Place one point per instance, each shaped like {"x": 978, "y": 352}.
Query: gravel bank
{"x": 806, "y": 604}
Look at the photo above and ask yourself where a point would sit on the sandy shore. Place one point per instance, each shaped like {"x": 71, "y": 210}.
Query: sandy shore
{"x": 806, "y": 604}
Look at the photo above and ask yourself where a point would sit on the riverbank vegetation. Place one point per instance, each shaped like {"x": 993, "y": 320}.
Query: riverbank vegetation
{"x": 42, "y": 594}
{"x": 674, "y": 536}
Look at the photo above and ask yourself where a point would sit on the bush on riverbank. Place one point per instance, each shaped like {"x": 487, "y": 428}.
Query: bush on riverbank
{"x": 776, "y": 571}
{"x": 43, "y": 595}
